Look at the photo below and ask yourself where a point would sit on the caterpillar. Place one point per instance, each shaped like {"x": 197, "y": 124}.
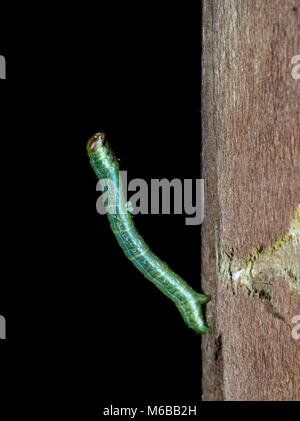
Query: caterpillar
{"x": 187, "y": 300}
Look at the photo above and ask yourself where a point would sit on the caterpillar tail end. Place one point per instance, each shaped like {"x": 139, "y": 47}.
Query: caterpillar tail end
{"x": 205, "y": 330}
{"x": 195, "y": 318}
{"x": 203, "y": 298}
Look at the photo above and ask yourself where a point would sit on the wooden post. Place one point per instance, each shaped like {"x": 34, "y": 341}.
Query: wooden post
{"x": 251, "y": 167}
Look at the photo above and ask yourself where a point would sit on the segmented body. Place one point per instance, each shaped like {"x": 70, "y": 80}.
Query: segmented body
{"x": 136, "y": 249}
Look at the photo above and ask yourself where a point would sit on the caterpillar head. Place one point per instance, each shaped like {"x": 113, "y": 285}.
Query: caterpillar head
{"x": 100, "y": 154}
{"x": 96, "y": 142}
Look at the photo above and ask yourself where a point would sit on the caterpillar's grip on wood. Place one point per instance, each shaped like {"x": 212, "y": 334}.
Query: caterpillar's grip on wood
{"x": 187, "y": 300}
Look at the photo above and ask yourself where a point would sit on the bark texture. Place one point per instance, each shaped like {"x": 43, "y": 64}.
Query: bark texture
{"x": 251, "y": 166}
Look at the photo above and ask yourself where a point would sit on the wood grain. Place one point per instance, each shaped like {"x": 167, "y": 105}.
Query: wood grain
{"x": 251, "y": 167}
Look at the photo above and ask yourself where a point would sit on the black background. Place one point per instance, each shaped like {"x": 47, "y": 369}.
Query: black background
{"x": 85, "y": 330}
{"x": 81, "y": 321}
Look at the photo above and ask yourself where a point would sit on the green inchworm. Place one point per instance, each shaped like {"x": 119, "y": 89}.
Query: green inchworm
{"x": 187, "y": 300}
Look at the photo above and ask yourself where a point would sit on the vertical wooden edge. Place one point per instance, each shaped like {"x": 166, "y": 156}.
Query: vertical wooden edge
{"x": 211, "y": 344}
